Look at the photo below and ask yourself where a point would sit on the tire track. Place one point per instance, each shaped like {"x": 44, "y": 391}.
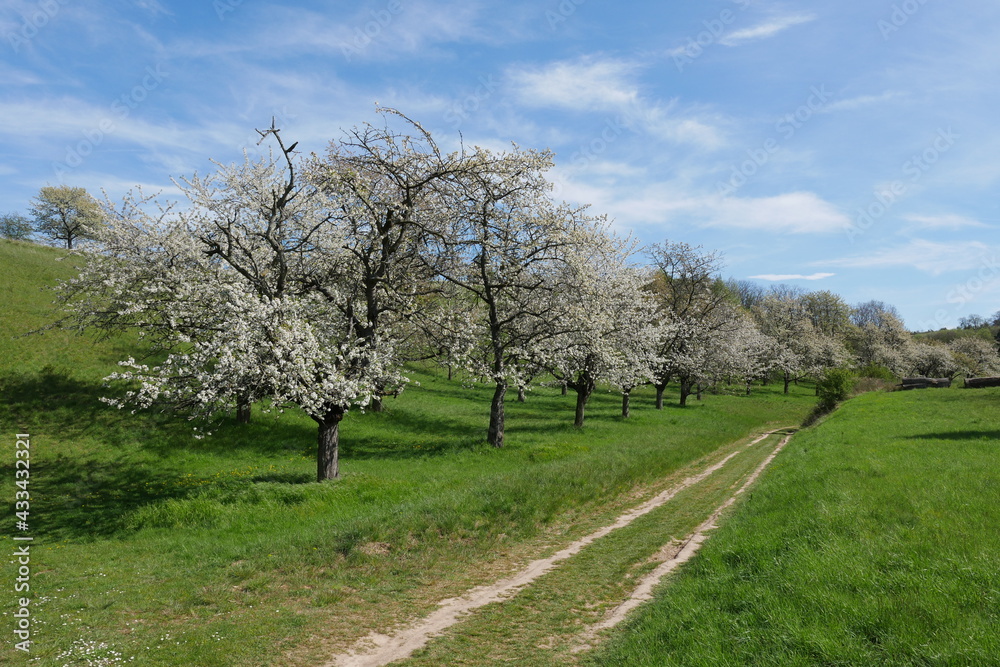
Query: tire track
{"x": 690, "y": 546}
{"x": 380, "y": 649}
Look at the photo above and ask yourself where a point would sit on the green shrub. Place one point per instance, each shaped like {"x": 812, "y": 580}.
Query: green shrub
{"x": 835, "y": 385}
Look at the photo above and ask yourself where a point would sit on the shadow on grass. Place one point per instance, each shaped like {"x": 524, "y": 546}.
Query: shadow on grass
{"x": 70, "y": 408}
{"x": 959, "y": 435}
{"x": 406, "y": 430}
{"x": 76, "y": 499}
{"x": 92, "y": 465}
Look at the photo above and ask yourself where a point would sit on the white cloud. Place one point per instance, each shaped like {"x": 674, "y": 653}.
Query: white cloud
{"x": 153, "y": 7}
{"x": 792, "y": 213}
{"x": 16, "y": 77}
{"x": 927, "y": 256}
{"x": 764, "y": 30}
{"x": 586, "y": 84}
{"x": 365, "y": 35}
{"x": 862, "y": 101}
{"x": 944, "y": 222}
{"x": 594, "y": 84}
{"x": 779, "y": 277}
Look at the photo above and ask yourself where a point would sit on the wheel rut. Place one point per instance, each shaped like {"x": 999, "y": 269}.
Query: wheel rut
{"x": 381, "y": 649}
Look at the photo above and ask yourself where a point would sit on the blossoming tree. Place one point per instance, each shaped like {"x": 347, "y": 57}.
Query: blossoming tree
{"x": 238, "y": 290}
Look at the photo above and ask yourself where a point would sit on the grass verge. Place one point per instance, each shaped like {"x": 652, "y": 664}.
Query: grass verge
{"x": 873, "y": 539}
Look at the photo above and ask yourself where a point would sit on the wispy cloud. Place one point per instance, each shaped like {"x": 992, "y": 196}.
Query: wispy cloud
{"x": 780, "y": 277}
{"x": 792, "y": 213}
{"x": 765, "y": 30}
{"x": 16, "y": 77}
{"x": 862, "y": 101}
{"x": 952, "y": 222}
{"x": 361, "y": 36}
{"x": 153, "y": 7}
{"x": 585, "y": 84}
{"x": 608, "y": 85}
{"x": 927, "y": 256}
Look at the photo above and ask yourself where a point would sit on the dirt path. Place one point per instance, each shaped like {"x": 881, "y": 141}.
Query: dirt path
{"x": 681, "y": 554}
{"x": 379, "y": 649}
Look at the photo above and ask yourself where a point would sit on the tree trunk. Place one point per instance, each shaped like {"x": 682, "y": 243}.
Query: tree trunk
{"x": 582, "y": 396}
{"x": 626, "y": 400}
{"x": 565, "y": 389}
{"x": 449, "y": 371}
{"x": 520, "y": 395}
{"x": 749, "y": 384}
{"x": 788, "y": 381}
{"x": 698, "y": 394}
{"x": 377, "y": 405}
{"x": 327, "y": 463}
{"x": 660, "y": 388}
{"x": 685, "y": 391}
{"x": 495, "y": 434}
{"x": 242, "y": 410}
{"x": 584, "y": 387}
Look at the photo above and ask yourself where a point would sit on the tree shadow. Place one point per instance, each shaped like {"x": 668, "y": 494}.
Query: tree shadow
{"x": 83, "y": 500}
{"x": 422, "y": 435}
{"x": 959, "y": 435}
{"x": 71, "y": 407}
{"x": 81, "y": 493}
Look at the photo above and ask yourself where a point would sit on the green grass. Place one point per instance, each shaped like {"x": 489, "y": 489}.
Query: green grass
{"x": 223, "y": 551}
{"x": 544, "y": 624}
{"x": 873, "y": 540}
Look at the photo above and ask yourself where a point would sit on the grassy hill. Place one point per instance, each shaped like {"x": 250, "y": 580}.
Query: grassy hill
{"x": 154, "y": 546}
{"x": 25, "y": 270}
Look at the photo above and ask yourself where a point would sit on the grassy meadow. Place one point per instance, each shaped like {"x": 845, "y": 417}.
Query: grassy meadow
{"x": 156, "y": 548}
{"x": 873, "y": 540}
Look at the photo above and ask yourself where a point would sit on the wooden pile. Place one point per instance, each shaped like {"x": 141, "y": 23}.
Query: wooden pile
{"x": 925, "y": 383}
{"x": 978, "y": 383}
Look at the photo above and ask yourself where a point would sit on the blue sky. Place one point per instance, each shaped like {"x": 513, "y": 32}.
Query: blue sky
{"x": 849, "y": 146}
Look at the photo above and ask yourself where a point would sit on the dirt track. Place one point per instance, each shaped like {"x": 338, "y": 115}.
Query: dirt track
{"x": 379, "y": 649}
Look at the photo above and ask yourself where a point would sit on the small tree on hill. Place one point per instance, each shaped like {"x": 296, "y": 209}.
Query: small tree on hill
{"x": 66, "y": 214}
{"x": 15, "y": 226}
